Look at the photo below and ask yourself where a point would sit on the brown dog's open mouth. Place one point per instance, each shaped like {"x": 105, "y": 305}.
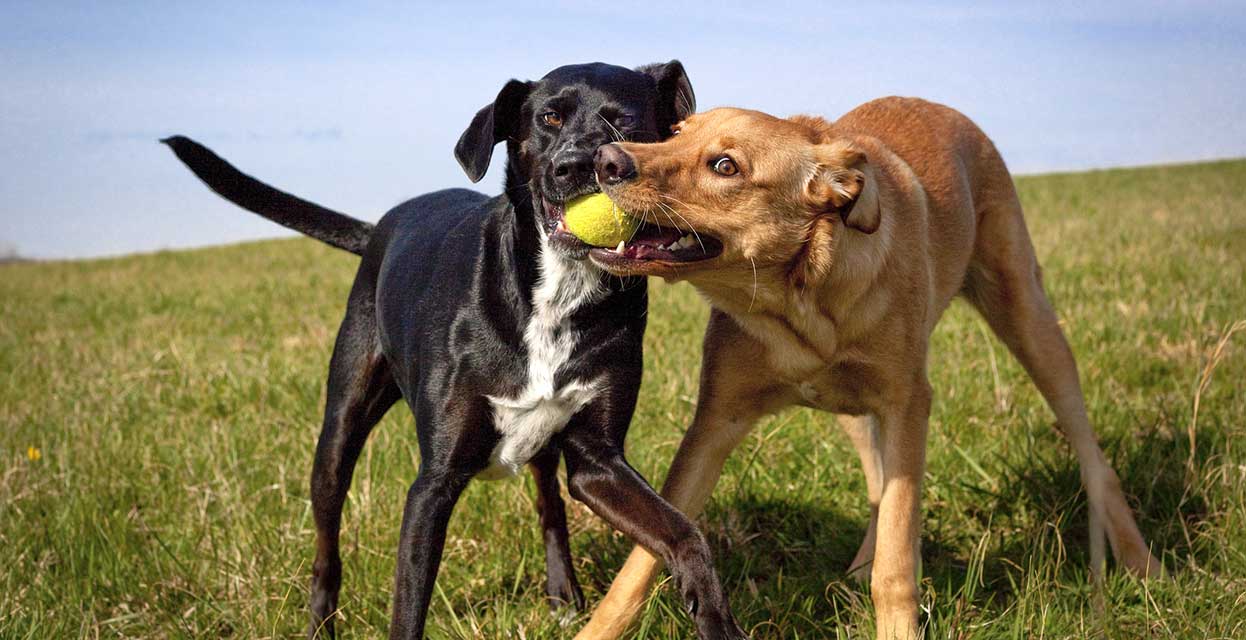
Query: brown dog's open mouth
{"x": 657, "y": 245}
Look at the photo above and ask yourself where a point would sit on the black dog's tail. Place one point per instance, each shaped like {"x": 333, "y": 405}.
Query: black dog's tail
{"x": 328, "y": 226}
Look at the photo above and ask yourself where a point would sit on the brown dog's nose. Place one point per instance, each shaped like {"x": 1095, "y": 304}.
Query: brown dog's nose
{"x": 614, "y": 165}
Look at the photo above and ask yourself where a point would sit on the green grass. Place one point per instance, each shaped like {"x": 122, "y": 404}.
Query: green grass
{"x": 175, "y": 398}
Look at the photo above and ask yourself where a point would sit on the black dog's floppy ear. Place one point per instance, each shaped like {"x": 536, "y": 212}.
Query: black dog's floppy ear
{"x": 493, "y": 124}
{"x": 676, "y": 100}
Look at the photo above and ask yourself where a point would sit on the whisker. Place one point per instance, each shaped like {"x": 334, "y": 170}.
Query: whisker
{"x": 674, "y": 199}
{"x": 663, "y": 208}
{"x": 667, "y": 211}
{"x": 680, "y": 95}
{"x": 694, "y": 229}
{"x": 753, "y": 298}
{"x": 637, "y": 229}
{"x": 618, "y": 136}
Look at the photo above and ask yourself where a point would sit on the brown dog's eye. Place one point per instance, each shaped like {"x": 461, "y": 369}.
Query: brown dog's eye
{"x": 725, "y": 166}
{"x": 552, "y": 118}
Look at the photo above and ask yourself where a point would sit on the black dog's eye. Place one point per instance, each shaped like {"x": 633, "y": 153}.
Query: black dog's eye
{"x": 624, "y": 121}
{"x": 724, "y": 166}
{"x": 675, "y": 129}
{"x": 552, "y": 118}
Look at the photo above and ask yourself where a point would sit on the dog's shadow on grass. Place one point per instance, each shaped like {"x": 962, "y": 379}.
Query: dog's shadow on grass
{"x": 785, "y": 561}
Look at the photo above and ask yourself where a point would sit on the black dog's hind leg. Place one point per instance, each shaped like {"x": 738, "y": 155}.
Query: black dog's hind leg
{"x": 360, "y": 390}
{"x": 561, "y": 587}
{"x": 601, "y": 478}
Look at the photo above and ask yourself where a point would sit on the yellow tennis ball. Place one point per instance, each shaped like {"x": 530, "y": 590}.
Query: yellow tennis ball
{"x": 596, "y": 220}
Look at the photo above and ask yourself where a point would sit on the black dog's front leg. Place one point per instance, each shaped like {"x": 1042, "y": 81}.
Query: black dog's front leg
{"x": 561, "y": 587}
{"x": 430, "y": 501}
{"x": 601, "y": 478}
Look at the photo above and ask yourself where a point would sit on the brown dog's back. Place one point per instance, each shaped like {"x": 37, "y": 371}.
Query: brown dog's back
{"x": 961, "y": 171}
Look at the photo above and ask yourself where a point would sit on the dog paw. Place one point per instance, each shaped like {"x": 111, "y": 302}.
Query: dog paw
{"x": 723, "y": 628}
{"x": 860, "y": 573}
{"x": 565, "y": 597}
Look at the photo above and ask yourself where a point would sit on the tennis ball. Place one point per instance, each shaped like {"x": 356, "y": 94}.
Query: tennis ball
{"x": 596, "y": 220}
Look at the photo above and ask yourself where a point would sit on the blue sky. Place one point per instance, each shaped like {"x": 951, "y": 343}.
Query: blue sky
{"x": 358, "y": 105}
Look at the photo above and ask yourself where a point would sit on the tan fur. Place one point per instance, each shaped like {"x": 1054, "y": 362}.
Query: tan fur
{"x": 843, "y": 244}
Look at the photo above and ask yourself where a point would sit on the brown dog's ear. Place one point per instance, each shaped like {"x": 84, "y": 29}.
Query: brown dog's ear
{"x": 843, "y": 185}
{"x": 676, "y": 100}
{"x": 494, "y": 123}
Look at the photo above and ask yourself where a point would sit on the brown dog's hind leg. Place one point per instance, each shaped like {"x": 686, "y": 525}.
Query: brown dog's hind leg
{"x": 1005, "y": 285}
{"x": 360, "y": 391}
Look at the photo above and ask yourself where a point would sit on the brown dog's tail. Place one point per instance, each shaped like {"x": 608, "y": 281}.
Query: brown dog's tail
{"x": 328, "y": 226}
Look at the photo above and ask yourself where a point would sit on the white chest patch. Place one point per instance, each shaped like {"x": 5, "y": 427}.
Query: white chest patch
{"x": 528, "y": 420}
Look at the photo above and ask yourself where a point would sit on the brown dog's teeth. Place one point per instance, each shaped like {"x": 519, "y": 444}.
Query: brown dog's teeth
{"x": 621, "y": 247}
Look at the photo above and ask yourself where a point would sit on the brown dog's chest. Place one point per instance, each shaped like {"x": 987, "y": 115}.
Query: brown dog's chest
{"x": 844, "y": 387}
{"x": 805, "y": 354}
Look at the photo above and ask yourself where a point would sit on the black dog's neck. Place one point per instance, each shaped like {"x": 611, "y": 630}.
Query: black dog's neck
{"x": 525, "y": 232}
{"x": 527, "y": 224}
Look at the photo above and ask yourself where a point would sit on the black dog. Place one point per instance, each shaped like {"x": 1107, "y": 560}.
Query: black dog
{"x": 506, "y": 343}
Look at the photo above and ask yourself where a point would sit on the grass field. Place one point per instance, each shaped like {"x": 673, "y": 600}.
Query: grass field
{"x": 158, "y": 414}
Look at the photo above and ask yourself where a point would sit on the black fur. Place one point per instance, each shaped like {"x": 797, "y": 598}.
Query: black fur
{"x": 437, "y": 316}
{"x": 333, "y": 228}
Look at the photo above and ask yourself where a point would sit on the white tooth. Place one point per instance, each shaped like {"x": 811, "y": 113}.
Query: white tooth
{"x": 621, "y": 247}
{"x": 687, "y": 241}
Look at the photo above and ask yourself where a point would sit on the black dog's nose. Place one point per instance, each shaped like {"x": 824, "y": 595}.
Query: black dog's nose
{"x": 573, "y": 166}
{"x": 614, "y": 165}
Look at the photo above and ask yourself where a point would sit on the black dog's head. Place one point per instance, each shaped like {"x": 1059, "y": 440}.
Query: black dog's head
{"x": 553, "y": 127}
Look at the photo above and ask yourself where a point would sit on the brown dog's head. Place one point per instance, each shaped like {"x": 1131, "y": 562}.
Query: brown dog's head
{"x": 737, "y": 188}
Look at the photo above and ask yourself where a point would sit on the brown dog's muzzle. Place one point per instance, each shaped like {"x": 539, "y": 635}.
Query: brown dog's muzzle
{"x": 665, "y": 242}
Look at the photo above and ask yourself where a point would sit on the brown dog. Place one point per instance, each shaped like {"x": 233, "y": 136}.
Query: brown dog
{"x": 829, "y": 251}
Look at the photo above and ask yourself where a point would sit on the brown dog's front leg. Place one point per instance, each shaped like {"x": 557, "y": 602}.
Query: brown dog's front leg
{"x": 604, "y": 481}
{"x": 893, "y": 579}
{"x": 689, "y": 483}
{"x": 736, "y": 390}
